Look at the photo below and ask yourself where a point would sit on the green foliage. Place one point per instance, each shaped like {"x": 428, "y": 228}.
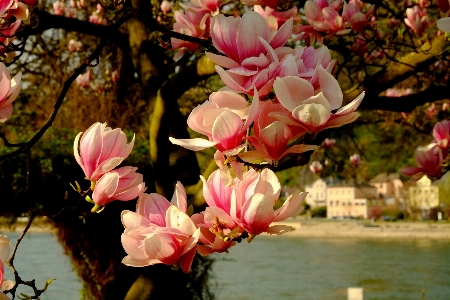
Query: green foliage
{"x": 320, "y": 211}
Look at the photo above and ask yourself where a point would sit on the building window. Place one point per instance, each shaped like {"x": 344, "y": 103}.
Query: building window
{"x": 337, "y": 203}
{"x": 331, "y": 203}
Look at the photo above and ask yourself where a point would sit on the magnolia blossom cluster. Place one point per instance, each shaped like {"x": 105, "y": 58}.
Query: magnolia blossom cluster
{"x": 324, "y": 18}
{"x": 431, "y": 158}
{"x": 12, "y": 14}
{"x": 163, "y": 232}
{"x": 4, "y": 254}
{"x": 307, "y": 97}
{"x": 99, "y": 151}
{"x": 60, "y": 9}
{"x": 193, "y": 21}
{"x": 255, "y": 62}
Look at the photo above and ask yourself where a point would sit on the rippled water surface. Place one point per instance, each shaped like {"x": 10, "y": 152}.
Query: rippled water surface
{"x": 311, "y": 268}
{"x": 271, "y": 268}
{"x": 41, "y": 257}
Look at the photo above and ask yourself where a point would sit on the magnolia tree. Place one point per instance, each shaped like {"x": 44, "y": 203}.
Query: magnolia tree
{"x": 288, "y": 72}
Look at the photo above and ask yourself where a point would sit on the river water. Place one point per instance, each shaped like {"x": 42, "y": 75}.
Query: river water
{"x": 271, "y": 268}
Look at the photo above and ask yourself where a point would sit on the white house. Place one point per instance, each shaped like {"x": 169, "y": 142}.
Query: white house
{"x": 317, "y": 193}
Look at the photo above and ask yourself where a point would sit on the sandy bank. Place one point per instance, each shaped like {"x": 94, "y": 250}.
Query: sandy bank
{"x": 366, "y": 229}
{"x": 40, "y": 225}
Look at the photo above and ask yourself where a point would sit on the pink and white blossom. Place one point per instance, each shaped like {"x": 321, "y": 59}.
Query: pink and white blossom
{"x": 121, "y": 184}
{"x": 417, "y": 19}
{"x": 253, "y": 200}
{"x": 224, "y": 119}
{"x": 430, "y": 159}
{"x": 4, "y": 254}
{"x": 316, "y": 167}
{"x": 160, "y": 232}
{"x": 441, "y": 134}
{"x": 250, "y": 48}
{"x": 355, "y": 159}
{"x": 9, "y": 90}
{"x": 272, "y": 136}
{"x": 100, "y": 150}
{"x": 310, "y": 108}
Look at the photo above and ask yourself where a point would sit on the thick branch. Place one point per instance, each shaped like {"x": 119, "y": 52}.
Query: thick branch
{"x": 405, "y": 103}
{"x": 165, "y": 116}
{"x": 400, "y": 70}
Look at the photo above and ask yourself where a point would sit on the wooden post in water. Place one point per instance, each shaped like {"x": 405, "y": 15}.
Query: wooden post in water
{"x": 355, "y": 293}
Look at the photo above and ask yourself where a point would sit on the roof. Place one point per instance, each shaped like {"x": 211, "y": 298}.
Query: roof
{"x": 385, "y": 177}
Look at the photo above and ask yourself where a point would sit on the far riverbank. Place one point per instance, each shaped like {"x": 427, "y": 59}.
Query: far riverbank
{"x": 367, "y": 229}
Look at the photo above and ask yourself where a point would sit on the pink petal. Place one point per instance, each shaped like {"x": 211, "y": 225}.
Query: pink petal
{"x": 91, "y": 147}
{"x": 330, "y": 88}
{"x": 187, "y": 259}
{"x": 5, "y": 113}
{"x": 352, "y": 106}
{"x": 291, "y": 207}
{"x": 233, "y": 81}
{"x": 252, "y": 27}
{"x": 291, "y": 91}
{"x": 177, "y": 219}
{"x": 196, "y": 144}
{"x": 105, "y": 166}
{"x": 105, "y": 188}
{"x": 179, "y": 198}
{"x": 283, "y": 34}
{"x": 161, "y": 247}
{"x": 222, "y": 61}
{"x": 5, "y": 81}
{"x": 257, "y": 214}
{"x": 130, "y": 245}
{"x": 342, "y": 120}
{"x": 224, "y": 34}
{"x": 132, "y": 219}
{"x": 226, "y": 128}
{"x": 298, "y": 149}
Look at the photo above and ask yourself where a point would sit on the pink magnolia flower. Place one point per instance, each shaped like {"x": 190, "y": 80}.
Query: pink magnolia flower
{"x": 272, "y": 136}
{"x": 441, "y": 134}
{"x": 9, "y": 90}
{"x": 160, "y": 232}
{"x": 304, "y": 62}
{"x": 224, "y": 119}
{"x": 4, "y": 254}
{"x": 166, "y": 6}
{"x": 83, "y": 80}
{"x": 122, "y": 184}
{"x": 316, "y": 167}
{"x": 355, "y": 159}
{"x": 248, "y": 44}
{"x": 417, "y": 19}
{"x": 312, "y": 109}
{"x": 429, "y": 159}
{"x": 59, "y": 8}
{"x": 75, "y": 46}
{"x": 274, "y": 18}
{"x": 328, "y": 143}
{"x": 14, "y": 8}
{"x": 101, "y": 150}
{"x": 324, "y": 17}
{"x": 393, "y": 92}
{"x": 353, "y": 14}
{"x": 193, "y": 23}
{"x": 253, "y": 200}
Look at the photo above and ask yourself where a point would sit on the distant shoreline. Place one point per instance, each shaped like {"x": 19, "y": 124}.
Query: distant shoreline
{"x": 312, "y": 228}
{"x": 367, "y": 229}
